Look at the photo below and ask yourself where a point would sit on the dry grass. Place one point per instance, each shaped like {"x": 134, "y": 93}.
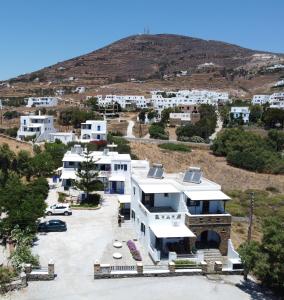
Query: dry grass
{"x": 15, "y": 145}
{"x": 239, "y": 233}
{"x": 214, "y": 168}
{"x": 144, "y": 129}
{"x": 116, "y": 126}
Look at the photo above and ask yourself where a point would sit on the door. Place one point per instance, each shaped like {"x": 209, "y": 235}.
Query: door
{"x": 204, "y": 237}
{"x": 205, "y": 207}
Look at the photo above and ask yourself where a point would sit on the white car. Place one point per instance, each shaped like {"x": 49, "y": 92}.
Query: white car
{"x": 59, "y": 209}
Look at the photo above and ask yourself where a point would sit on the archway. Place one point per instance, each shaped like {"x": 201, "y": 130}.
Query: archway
{"x": 208, "y": 239}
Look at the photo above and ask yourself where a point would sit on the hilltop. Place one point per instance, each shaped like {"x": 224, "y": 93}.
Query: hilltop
{"x": 154, "y": 59}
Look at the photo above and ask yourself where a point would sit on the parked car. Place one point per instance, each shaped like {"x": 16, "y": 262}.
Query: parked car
{"x": 59, "y": 209}
{"x": 52, "y": 226}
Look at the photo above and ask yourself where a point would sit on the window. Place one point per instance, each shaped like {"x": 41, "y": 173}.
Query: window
{"x": 125, "y": 167}
{"x": 133, "y": 214}
{"x": 166, "y": 195}
{"x": 99, "y": 128}
{"x": 193, "y": 203}
{"x": 134, "y": 190}
{"x": 142, "y": 228}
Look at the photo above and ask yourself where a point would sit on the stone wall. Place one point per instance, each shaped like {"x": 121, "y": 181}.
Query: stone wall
{"x": 218, "y": 223}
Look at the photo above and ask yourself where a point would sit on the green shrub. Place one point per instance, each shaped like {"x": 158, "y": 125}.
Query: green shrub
{"x": 61, "y": 197}
{"x": 175, "y": 147}
{"x": 6, "y": 275}
{"x": 23, "y": 255}
{"x": 157, "y": 131}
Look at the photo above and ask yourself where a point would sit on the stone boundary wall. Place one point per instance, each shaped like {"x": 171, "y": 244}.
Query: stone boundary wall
{"x": 104, "y": 271}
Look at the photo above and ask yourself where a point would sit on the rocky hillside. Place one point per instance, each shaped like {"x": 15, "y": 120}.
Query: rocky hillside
{"x": 151, "y": 57}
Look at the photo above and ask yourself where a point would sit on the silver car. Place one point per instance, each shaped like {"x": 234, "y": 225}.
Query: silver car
{"x": 59, "y": 209}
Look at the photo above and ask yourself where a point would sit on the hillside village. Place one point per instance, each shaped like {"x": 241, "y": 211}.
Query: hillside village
{"x": 171, "y": 179}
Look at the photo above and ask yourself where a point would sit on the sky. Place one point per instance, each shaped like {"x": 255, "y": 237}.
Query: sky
{"x": 39, "y": 33}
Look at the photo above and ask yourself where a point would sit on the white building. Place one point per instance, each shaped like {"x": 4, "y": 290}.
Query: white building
{"x": 41, "y": 101}
{"x": 173, "y": 214}
{"x": 279, "y": 83}
{"x": 38, "y": 126}
{"x": 276, "y": 100}
{"x": 64, "y": 137}
{"x": 114, "y": 169}
{"x": 80, "y": 90}
{"x": 94, "y": 130}
{"x": 260, "y": 99}
{"x": 187, "y": 97}
{"x": 125, "y": 101}
{"x": 241, "y": 112}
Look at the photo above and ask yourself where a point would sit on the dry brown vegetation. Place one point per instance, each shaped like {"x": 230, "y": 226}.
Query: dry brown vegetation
{"x": 16, "y": 146}
{"x": 214, "y": 168}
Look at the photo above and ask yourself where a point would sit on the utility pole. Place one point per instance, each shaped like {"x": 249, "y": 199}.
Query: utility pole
{"x": 250, "y": 216}
{"x": 249, "y": 227}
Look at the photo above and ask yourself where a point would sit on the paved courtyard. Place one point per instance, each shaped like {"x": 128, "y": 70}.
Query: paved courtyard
{"x": 89, "y": 237}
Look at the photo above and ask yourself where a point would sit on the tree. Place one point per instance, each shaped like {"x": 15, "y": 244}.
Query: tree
{"x": 276, "y": 137}
{"x": 142, "y": 116}
{"x": 21, "y": 204}
{"x": 256, "y": 112}
{"x": 42, "y": 164}
{"x": 87, "y": 176}
{"x": 152, "y": 114}
{"x": 93, "y": 103}
{"x": 265, "y": 259}
{"x": 7, "y": 160}
{"x": 56, "y": 151}
{"x": 24, "y": 164}
{"x": 272, "y": 117}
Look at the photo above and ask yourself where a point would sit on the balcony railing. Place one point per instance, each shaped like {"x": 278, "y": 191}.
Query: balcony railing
{"x": 212, "y": 219}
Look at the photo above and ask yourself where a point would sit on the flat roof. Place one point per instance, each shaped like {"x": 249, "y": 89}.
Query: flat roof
{"x": 158, "y": 188}
{"x": 206, "y": 195}
{"x": 124, "y": 198}
{"x": 171, "y": 231}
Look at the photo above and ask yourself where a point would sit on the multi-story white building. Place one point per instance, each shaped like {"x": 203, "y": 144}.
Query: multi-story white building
{"x": 38, "y": 126}
{"x": 64, "y": 137}
{"x": 125, "y": 101}
{"x": 260, "y": 99}
{"x": 241, "y": 112}
{"x": 93, "y": 130}
{"x": 114, "y": 169}
{"x": 186, "y": 97}
{"x": 175, "y": 214}
{"x": 276, "y": 100}
{"x": 41, "y": 101}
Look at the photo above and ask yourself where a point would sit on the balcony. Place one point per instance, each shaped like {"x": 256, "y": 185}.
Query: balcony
{"x": 211, "y": 219}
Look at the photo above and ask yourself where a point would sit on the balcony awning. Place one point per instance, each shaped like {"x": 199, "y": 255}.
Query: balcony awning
{"x": 68, "y": 175}
{"x": 158, "y": 188}
{"x": 117, "y": 178}
{"x": 206, "y": 195}
{"x": 171, "y": 231}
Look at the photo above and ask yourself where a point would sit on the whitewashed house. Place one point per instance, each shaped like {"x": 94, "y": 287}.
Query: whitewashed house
{"x": 93, "y": 130}
{"x": 38, "y": 126}
{"x": 125, "y": 101}
{"x": 186, "y": 97}
{"x": 114, "y": 169}
{"x": 176, "y": 214}
{"x": 260, "y": 99}
{"x": 64, "y": 137}
{"x": 242, "y": 112}
{"x": 276, "y": 100}
{"x": 41, "y": 101}
{"x": 80, "y": 90}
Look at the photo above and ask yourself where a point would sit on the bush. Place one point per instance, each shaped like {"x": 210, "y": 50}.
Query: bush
{"x": 61, "y": 197}
{"x": 134, "y": 251}
{"x": 6, "y": 275}
{"x": 23, "y": 255}
{"x": 196, "y": 139}
{"x": 272, "y": 189}
{"x": 175, "y": 147}
{"x": 157, "y": 131}
{"x": 249, "y": 151}
{"x": 92, "y": 201}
